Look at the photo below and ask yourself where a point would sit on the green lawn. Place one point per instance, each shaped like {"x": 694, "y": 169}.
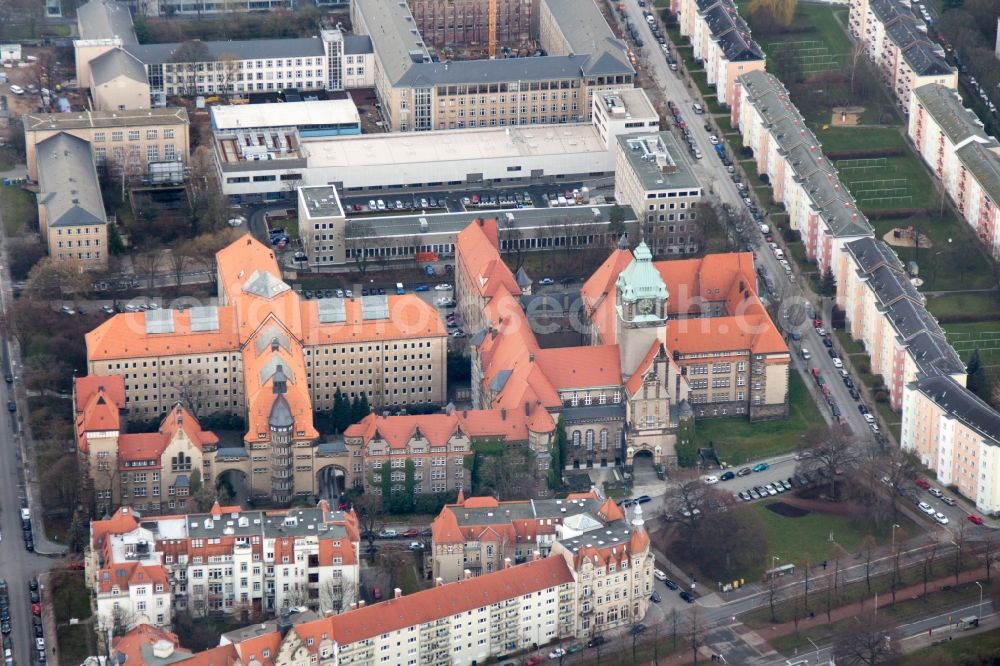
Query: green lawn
{"x": 737, "y": 440}
{"x": 946, "y": 266}
{"x": 981, "y": 648}
{"x": 835, "y": 139}
{"x": 76, "y": 643}
{"x": 792, "y": 538}
{"x": 983, "y": 335}
{"x": 19, "y": 209}
{"x": 70, "y": 597}
{"x": 849, "y": 345}
{"x": 987, "y": 305}
{"x": 887, "y": 183}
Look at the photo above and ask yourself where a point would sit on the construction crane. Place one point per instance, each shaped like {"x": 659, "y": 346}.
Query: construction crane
{"x": 492, "y": 29}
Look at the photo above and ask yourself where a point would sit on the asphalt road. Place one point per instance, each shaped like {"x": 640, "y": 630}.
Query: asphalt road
{"x": 716, "y": 180}
{"x": 17, "y": 565}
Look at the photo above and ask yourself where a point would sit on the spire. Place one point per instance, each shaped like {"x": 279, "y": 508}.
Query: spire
{"x": 637, "y": 521}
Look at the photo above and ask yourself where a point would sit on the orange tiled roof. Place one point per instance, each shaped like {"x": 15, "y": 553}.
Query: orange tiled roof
{"x": 397, "y": 431}
{"x": 254, "y": 648}
{"x": 634, "y": 382}
{"x": 150, "y": 446}
{"x": 124, "y": 575}
{"x": 445, "y": 529}
{"x": 130, "y": 645}
{"x": 477, "y": 252}
{"x": 124, "y": 336}
{"x": 712, "y": 277}
{"x": 113, "y": 387}
{"x": 409, "y": 317}
{"x": 447, "y": 600}
{"x": 719, "y": 334}
{"x": 99, "y": 402}
{"x": 124, "y": 521}
{"x": 223, "y": 655}
{"x": 581, "y": 367}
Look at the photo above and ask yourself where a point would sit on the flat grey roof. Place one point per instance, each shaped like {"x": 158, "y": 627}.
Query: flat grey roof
{"x": 357, "y": 44}
{"x": 101, "y": 119}
{"x": 962, "y": 404}
{"x": 294, "y": 522}
{"x": 249, "y": 49}
{"x": 67, "y": 180}
{"x": 524, "y": 218}
{"x": 534, "y": 509}
{"x": 658, "y": 161}
{"x": 322, "y": 201}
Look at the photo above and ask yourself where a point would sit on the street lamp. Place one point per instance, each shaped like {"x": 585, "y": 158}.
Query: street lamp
{"x": 894, "y": 535}
{"x": 815, "y": 646}
{"x": 773, "y": 559}
{"x": 979, "y": 610}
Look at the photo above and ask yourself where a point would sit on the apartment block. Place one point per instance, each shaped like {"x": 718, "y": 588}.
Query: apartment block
{"x": 802, "y": 179}
{"x": 722, "y": 42}
{"x": 886, "y": 313}
{"x": 596, "y": 578}
{"x": 479, "y": 534}
{"x": 653, "y": 176}
{"x": 228, "y": 560}
{"x": 896, "y": 42}
{"x": 951, "y": 140}
{"x": 131, "y": 140}
{"x": 71, "y": 214}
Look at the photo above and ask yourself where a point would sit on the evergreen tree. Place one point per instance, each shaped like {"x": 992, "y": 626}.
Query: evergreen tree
{"x": 559, "y": 454}
{"x": 341, "y": 412}
{"x": 976, "y": 381}
{"x": 828, "y": 287}
{"x": 616, "y": 220}
{"x": 363, "y": 408}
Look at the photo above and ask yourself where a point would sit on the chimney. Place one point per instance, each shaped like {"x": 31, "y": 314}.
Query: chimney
{"x": 527, "y": 408}
{"x": 507, "y": 564}
{"x": 503, "y": 414}
{"x": 361, "y": 603}
{"x": 438, "y": 582}
{"x": 535, "y": 556}
{"x": 466, "y": 575}
{"x": 354, "y": 606}
{"x": 531, "y": 357}
{"x": 397, "y": 593}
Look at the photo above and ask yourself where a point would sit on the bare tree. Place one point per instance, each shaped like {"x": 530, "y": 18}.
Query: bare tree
{"x": 336, "y": 595}
{"x": 959, "y": 548}
{"x": 894, "y": 582}
{"x": 868, "y": 545}
{"x": 694, "y": 631}
{"x": 179, "y": 257}
{"x": 147, "y": 264}
{"x": 805, "y": 562}
{"x": 830, "y": 452}
{"x": 357, "y": 237}
{"x": 867, "y": 641}
{"x": 928, "y": 566}
{"x": 188, "y": 386}
{"x": 989, "y": 553}
{"x": 369, "y": 510}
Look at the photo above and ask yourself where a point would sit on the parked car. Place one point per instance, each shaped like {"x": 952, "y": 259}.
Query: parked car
{"x": 595, "y": 641}
{"x": 760, "y": 467}
{"x": 974, "y": 519}
{"x": 926, "y": 508}
{"x": 744, "y": 471}
{"x": 687, "y": 596}
{"x": 671, "y": 585}
{"x": 727, "y": 475}
{"x": 659, "y": 575}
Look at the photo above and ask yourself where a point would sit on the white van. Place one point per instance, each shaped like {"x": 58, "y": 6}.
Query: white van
{"x": 764, "y": 229}
{"x": 779, "y": 253}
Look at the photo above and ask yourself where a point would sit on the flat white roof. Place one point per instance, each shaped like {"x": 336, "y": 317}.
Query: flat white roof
{"x": 370, "y": 150}
{"x": 634, "y": 101}
{"x": 285, "y": 114}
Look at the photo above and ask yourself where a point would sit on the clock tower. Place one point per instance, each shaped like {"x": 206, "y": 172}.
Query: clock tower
{"x": 641, "y": 306}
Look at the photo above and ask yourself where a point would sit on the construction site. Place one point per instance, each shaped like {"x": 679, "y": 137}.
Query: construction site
{"x": 473, "y": 29}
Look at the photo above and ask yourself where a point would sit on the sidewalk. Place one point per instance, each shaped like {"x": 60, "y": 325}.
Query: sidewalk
{"x": 759, "y": 638}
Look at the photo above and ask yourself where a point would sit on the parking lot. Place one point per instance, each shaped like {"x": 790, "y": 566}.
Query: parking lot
{"x": 463, "y": 200}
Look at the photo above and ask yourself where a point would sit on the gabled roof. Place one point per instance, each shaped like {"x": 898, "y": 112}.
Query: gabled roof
{"x": 99, "y": 401}
{"x": 960, "y": 403}
{"x": 114, "y": 63}
{"x": 945, "y": 106}
{"x": 476, "y": 248}
{"x": 105, "y": 19}
{"x": 634, "y": 382}
{"x": 449, "y": 599}
{"x": 438, "y": 429}
{"x": 67, "y": 180}
{"x": 135, "y": 647}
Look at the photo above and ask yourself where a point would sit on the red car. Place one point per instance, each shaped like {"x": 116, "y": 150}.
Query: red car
{"x": 922, "y": 483}
{"x": 975, "y": 520}
{"x": 36, "y": 609}
{"x": 533, "y": 661}
{"x": 817, "y": 323}
{"x": 412, "y": 532}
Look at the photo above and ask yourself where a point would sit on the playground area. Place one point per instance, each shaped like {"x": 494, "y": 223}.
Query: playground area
{"x": 846, "y": 116}
{"x": 907, "y": 237}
